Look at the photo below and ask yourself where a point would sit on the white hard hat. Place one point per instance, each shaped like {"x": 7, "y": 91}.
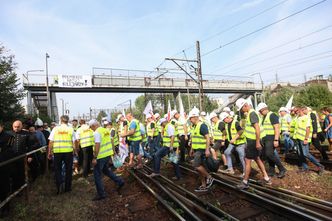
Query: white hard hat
{"x": 309, "y": 108}
{"x": 223, "y": 115}
{"x": 162, "y": 120}
{"x": 203, "y": 113}
{"x": 261, "y": 106}
{"x": 226, "y": 109}
{"x": 173, "y": 112}
{"x": 148, "y": 116}
{"x": 105, "y": 122}
{"x": 39, "y": 122}
{"x": 93, "y": 122}
{"x": 240, "y": 102}
{"x": 212, "y": 115}
{"x": 232, "y": 113}
{"x": 283, "y": 109}
{"x": 156, "y": 115}
{"x": 194, "y": 113}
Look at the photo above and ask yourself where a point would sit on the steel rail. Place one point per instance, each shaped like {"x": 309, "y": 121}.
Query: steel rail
{"x": 256, "y": 199}
{"x": 158, "y": 197}
{"x": 208, "y": 206}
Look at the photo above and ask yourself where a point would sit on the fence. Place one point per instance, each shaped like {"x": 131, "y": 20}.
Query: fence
{"x": 26, "y": 184}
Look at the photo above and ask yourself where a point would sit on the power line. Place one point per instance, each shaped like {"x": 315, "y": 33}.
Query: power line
{"x": 238, "y": 24}
{"x": 289, "y": 62}
{"x": 279, "y": 55}
{"x": 273, "y": 48}
{"x": 262, "y": 28}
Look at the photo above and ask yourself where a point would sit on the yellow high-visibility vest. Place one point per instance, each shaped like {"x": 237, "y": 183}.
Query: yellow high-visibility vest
{"x": 284, "y": 125}
{"x": 137, "y": 136}
{"x": 267, "y": 125}
{"x": 197, "y": 140}
{"x": 106, "y": 149}
{"x": 300, "y": 128}
{"x": 217, "y": 134}
{"x": 167, "y": 137}
{"x": 86, "y": 137}
{"x": 63, "y": 141}
{"x": 116, "y": 136}
{"x": 149, "y": 129}
{"x": 238, "y": 141}
{"x": 249, "y": 130}
{"x": 319, "y": 128}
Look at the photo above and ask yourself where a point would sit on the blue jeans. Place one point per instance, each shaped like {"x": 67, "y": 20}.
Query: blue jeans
{"x": 287, "y": 142}
{"x": 153, "y": 147}
{"x": 134, "y": 147}
{"x": 304, "y": 149}
{"x": 102, "y": 167}
{"x": 157, "y": 160}
{"x": 240, "y": 150}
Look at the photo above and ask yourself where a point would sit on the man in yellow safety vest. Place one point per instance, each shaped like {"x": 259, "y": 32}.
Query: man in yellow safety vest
{"x": 101, "y": 155}
{"x": 135, "y": 137}
{"x": 62, "y": 145}
{"x": 270, "y": 123}
{"x": 253, "y": 132}
{"x": 84, "y": 136}
{"x": 200, "y": 144}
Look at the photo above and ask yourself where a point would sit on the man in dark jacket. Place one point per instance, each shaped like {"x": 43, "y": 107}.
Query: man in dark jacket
{"x": 21, "y": 144}
{"x": 5, "y": 140}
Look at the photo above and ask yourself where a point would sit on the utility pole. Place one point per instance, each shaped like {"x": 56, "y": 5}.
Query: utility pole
{"x": 131, "y": 111}
{"x": 200, "y": 78}
{"x": 49, "y": 105}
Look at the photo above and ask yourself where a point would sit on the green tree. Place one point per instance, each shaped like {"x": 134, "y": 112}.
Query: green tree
{"x": 11, "y": 95}
{"x": 280, "y": 99}
{"x": 101, "y": 114}
{"x": 314, "y": 96}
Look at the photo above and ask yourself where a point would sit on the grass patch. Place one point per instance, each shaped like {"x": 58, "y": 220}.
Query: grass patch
{"x": 44, "y": 204}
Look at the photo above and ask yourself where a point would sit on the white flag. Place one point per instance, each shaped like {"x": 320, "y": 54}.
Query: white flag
{"x": 148, "y": 109}
{"x": 169, "y": 109}
{"x": 290, "y": 103}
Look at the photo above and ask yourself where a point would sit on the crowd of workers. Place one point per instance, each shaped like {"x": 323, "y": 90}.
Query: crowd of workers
{"x": 239, "y": 139}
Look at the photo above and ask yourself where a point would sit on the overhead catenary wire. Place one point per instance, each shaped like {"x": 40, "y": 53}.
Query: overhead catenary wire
{"x": 273, "y": 48}
{"x": 289, "y": 62}
{"x": 228, "y": 29}
{"x": 263, "y": 28}
{"x": 279, "y": 55}
{"x": 237, "y": 24}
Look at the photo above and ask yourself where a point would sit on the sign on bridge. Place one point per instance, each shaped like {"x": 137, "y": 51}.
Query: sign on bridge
{"x": 75, "y": 81}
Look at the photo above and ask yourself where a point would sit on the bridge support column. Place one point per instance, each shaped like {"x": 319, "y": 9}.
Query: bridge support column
{"x": 175, "y": 94}
{"x": 29, "y": 103}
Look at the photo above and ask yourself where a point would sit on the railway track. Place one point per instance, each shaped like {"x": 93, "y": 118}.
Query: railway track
{"x": 183, "y": 205}
{"x": 293, "y": 205}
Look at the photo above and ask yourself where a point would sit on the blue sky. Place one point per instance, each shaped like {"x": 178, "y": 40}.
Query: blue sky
{"x": 79, "y": 35}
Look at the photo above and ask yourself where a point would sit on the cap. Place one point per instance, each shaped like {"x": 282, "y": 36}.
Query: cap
{"x": 212, "y": 115}
{"x": 148, "y": 116}
{"x": 226, "y": 109}
{"x": 162, "y": 120}
{"x": 232, "y": 113}
{"x": 223, "y": 115}
{"x": 93, "y": 122}
{"x": 283, "y": 109}
{"x": 309, "y": 109}
{"x": 105, "y": 122}
{"x": 240, "y": 103}
{"x": 156, "y": 115}
{"x": 203, "y": 113}
{"x": 261, "y": 106}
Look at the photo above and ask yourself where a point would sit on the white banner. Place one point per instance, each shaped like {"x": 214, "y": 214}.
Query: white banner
{"x": 75, "y": 81}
